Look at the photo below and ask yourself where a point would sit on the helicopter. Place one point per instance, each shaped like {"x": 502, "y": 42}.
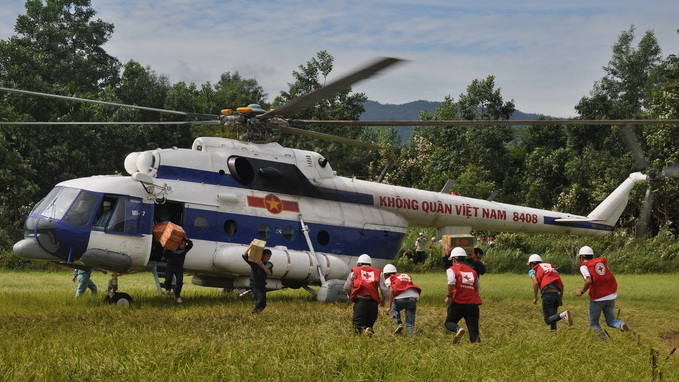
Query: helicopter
{"x": 226, "y": 192}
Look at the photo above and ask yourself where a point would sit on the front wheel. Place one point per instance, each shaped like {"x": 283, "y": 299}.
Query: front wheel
{"x": 120, "y": 299}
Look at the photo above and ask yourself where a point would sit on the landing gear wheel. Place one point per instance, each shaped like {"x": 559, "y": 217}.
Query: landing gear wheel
{"x": 120, "y": 299}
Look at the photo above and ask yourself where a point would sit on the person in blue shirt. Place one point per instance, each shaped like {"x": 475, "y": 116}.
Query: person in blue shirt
{"x": 260, "y": 270}
{"x": 83, "y": 276}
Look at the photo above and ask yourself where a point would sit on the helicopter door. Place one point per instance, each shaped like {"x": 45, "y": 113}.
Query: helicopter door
{"x": 126, "y": 227}
{"x": 167, "y": 212}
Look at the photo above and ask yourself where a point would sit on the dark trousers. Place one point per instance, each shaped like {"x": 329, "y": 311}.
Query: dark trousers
{"x": 419, "y": 257}
{"x": 365, "y": 313}
{"x": 178, "y": 274}
{"x": 470, "y": 313}
{"x": 551, "y": 301}
{"x": 259, "y": 294}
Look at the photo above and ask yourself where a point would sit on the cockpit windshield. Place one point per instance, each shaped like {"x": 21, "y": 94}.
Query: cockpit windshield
{"x": 56, "y": 203}
{"x": 68, "y": 204}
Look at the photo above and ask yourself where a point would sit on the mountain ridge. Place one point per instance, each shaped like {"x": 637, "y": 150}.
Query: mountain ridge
{"x": 376, "y": 111}
{"x": 410, "y": 111}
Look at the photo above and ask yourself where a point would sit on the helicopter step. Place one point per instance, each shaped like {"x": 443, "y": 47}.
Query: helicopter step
{"x": 158, "y": 269}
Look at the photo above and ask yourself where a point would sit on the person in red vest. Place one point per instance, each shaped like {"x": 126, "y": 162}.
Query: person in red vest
{"x": 463, "y": 297}
{"x": 403, "y": 295}
{"x": 363, "y": 286}
{"x": 603, "y": 288}
{"x": 546, "y": 279}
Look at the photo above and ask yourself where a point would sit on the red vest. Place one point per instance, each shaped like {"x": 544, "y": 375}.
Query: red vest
{"x": 603, "y": 281}
{"x": 546, "y": 274}
{"x": 465, "y": 285}
{"x": 402, "y": 282}
{"x": 366, "y": 283}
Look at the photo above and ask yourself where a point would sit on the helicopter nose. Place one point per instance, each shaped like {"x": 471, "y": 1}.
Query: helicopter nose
{"x": 30, "y": 249}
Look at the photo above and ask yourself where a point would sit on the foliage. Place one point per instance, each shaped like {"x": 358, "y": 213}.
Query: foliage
{"x": 59, "y": 48}
{"x": 345, "y": 159}
{"x": 472, "y": 156}
{"x": 509, "y": 251}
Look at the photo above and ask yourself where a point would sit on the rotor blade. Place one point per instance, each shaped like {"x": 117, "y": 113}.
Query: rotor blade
{"x": 327, "y": 137}
{"x": 633, "y": 144}
{"x": 303, "y": 122}
{"x": 537, "y": 122}
{"x": 112, "y": 123}
{"x": 645, "y": 213}
{"x": 671, "y": 170}
{"x": 194, "y": 115}
{"x": 310, "y": 99}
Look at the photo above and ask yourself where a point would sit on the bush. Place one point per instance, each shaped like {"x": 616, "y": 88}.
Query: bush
{"x": 625, "y": 253}
{"x": 9, "y": 261}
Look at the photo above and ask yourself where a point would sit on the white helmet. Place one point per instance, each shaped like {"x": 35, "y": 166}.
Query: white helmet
{"x": 586, "y": 251}
{"x": 457, "y": 252}
{"x": 534, "y": 258}
{"x": 364, "y": 259}
{"x": 389, "y": 268}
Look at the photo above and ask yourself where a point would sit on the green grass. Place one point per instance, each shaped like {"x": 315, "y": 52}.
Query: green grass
{"x": 48, "y": 335}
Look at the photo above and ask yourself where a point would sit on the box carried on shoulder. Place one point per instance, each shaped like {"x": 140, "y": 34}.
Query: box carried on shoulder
{"x": 464, "y": 241}
{"x": 169, "y": 235}
{"x": 256, "y": 250}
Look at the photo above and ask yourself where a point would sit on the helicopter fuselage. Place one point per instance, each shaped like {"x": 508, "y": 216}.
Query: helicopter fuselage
{"x": 225, "y": 192}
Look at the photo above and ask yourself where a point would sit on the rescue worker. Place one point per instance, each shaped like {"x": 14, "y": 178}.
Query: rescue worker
{"x": 175, "y": 268}
{"x": 403, "y": 295}
{"x": 546, "y": 279}
{"x": 463, "y": 297}
{"x": 363, "y": 286}
{"x": 602, "y": 287}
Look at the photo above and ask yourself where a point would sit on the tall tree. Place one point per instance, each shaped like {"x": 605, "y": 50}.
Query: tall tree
{"x": 471, "y": 155}
{"x": 59, "y": 42}
{"x": 621, "y": 94}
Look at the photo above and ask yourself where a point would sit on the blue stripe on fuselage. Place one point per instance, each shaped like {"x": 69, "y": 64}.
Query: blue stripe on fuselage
{"x": 584, "y": 225}
{"x": 342, "y": 240}
{"x": 226, "y": 180}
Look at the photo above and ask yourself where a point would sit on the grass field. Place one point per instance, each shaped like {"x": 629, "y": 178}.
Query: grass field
{"x": 48, "y": 335}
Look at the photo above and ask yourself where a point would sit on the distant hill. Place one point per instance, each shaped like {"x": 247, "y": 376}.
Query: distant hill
{"x": 375, "y": 111}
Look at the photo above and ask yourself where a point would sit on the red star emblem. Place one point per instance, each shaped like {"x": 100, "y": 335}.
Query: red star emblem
{"x": 273, "y": 204}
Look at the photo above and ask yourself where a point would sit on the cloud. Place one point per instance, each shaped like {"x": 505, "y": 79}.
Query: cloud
{"x": 544, "y": 55}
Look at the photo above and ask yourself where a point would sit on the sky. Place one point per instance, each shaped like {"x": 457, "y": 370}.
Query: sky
{"x": 545, "y": 55}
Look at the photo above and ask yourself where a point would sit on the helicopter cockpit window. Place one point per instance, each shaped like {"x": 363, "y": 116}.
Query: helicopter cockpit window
{"x": 124, "y": 216}
{"x": 82, "y": 209}
{"x": 55, "y": 205}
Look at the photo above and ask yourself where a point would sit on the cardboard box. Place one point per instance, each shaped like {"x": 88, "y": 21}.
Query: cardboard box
{"x": 158, "y": 230}
{"x": 256, "y": 249}
{"x": 465, "y": 241}
{"x": 172, "y": 236}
